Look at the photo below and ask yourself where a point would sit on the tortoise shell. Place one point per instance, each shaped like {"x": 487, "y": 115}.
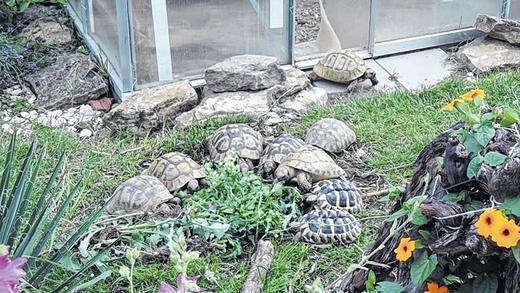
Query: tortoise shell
{"x": 336, "y": 194}
{"x": 175, "y": 170}
{"x": 328, "y": 226}
{"x": 280, "y": 148}
{"x": 342, "y": 67}
{"x": 331, "y": 135}
{"x": 241, "y": 138}
{"x": 140, "y": 193}
{"x": 313, "y": 161}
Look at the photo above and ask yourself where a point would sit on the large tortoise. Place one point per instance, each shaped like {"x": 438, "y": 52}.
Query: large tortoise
{"x": 177, "y": 170}
{"x": 339, "y": 194}
{"x": 240, "y": 138}
{"x": 326, "y": 226}
{"x": 275, "y": 152}
{"x": 343, "y": 67}
{"x": 141, "y": 194}
{"x": 331, "y": 135}
{"x": 306, "y": 165}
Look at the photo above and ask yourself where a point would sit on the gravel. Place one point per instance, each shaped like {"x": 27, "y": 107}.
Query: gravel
{"x": 307, "y": 20}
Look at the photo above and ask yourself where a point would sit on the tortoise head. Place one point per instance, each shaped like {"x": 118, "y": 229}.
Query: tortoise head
{"x": 371, "y": 74}
{"x": 269, "y": 167}
{"x": 282, "y": 174}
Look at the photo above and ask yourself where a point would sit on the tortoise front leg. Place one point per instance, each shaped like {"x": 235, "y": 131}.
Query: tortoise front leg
{"x": 303, "y": 180}
{"x": 352, "y": 85}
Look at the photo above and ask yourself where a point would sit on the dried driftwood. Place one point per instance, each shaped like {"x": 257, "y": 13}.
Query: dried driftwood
{"x": 259, "y": 267}
{"x": 451, "y": 225}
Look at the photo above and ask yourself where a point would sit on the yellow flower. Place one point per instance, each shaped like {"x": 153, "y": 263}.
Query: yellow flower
{"x": 434, "y": 288}
{"x": 452, "y": 104}
{"x": 471, "y": 95}
{"x": 506, "y": 234}
{"x": 404, "y": 250}
{"x": 488, "y": 221}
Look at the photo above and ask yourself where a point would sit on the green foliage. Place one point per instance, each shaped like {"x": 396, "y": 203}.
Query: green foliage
{"x": 27, "y": 228}
{"x": 511, "y": 206}
{"x": 516, "y": 253}
{"x": 316, "y": 287}
{"x": 239, "y": 206}
{"x": 451, "y": 279}
{"x": 423, "y": 267}
{"x": 389, "y": 287}
{"x": 22, "y": 5}
{"x": 485, "y": 283}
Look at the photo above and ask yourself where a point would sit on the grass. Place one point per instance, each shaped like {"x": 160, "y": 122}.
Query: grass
{"x": 395, "y": 127}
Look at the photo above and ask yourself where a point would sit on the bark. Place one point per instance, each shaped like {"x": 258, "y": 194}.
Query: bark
{"x": 259, "y": 267}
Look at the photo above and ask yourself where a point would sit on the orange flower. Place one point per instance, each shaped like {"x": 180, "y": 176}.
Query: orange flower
{"x": 452, "y": 104}
{"x": 488, "y": 221}
{"x": 506, "y": 234}
{"x": 404, "y": 250}
{"x": 434, "y": 288}
{"x": 471, "y": 95}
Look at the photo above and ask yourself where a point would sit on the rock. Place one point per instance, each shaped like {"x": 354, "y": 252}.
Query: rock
{"x": 244, "y": 72}
{"x": 85, "y": 133}
{"x": 503, "y": 29}
{"x": 304, "y": 100}
{"x": 103, "y": 104}
{"x": 296, "y": 81}
{"x": 48, "y": 32}
{"x": 251, "y": 104}
{"x": 150, "y": 108}
{"x": 39, "y": 11}
{"x": 485, "y": 54}
{"x": 70, "y": 81}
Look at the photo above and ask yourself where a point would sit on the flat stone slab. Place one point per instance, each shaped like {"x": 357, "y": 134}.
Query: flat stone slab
{"x": 48, "y": 32}
{"x": 503, "y": 29}
{"x": 151, "y": 108}
{"x": 71, "y": 80}
{"x": 418, "y": 70}
{"x": 485, "y": 54}
{"x": 244, "y": 72}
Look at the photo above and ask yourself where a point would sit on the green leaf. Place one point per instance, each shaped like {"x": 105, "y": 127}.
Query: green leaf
{"x": 423, "y": 267}
{"x": 494, "y": 159}
{"x": 451, "y": 279}
{"x": 516, "y": 253}
{"x": 417, "y": 218}
{"x": 484, "y": 134}
{"x": 400, "y": 213}
{"x": 511, "y": 206}
{"x": 455, "y": 197}
{"x": 474, "y": 166}
{"x": 371, "y": 281}
{"x": 425, "y": 234}
{"x": 472, "y": 145}
{"x": 418, "y": 244}
{"x": 472, "y": 119}
{"x": 485, "y": 283}
{"x": 488, "y": 118}
{"x": 389, "y": 287}
{"x": 509, "y": 117}
{"x": 474, "y": 205}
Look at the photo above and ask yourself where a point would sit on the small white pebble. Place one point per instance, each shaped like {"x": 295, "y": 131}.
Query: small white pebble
{"x": 85, "y": 133}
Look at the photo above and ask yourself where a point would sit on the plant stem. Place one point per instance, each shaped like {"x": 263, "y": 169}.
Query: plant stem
{"x": 132, "y": 263}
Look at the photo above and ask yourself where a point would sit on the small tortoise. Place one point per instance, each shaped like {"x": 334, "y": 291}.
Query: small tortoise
{"x": 177, "y": 170}
{"x": 244, "y": 140}
{"x": 141, "y": 193}
{"x": 343, "y": 67}
{"x": 337, "y": 194}
{"x": 326, "y": 226}
{"x": 331, "y": 135}
{"x": 305, "y": 165}
{"x": 275, "y": 152}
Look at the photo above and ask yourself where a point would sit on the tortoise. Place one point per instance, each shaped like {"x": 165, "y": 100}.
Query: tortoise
{"x": 337, "y": 194}
{"x": 305, "y": 165}
{"x": 240, "y": 138}
{"x": 141, "y": 193}
{"x": 331, "y": 135}
{"x": 177, "y": 170}
{"x": 345, "y": 67}
{"x": 275, "y": 152}
{"x": 326, "y": 226}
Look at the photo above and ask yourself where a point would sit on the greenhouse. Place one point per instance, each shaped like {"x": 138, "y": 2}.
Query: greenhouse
{"x": 151, "y": 42}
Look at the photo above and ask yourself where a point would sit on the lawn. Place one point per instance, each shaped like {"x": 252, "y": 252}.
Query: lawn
{"x": 394, "y": 126}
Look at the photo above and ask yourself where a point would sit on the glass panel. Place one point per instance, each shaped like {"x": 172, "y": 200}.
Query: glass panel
{"x": 104, "y": 30}
{"x": 350, "y": 21}
{"x": 76, "y": 4}
{"x": 514, "y": 13}
{"x": 397, "y": 19}
{"x": 144, "y": 52}
{"x": 204, "y": 32}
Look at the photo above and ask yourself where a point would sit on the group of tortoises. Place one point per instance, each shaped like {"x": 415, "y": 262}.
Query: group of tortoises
{"x": 286, "y": 159}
